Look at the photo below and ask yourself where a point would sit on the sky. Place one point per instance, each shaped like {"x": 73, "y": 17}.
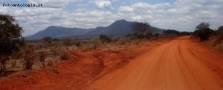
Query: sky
{"x": 181, "y": 15}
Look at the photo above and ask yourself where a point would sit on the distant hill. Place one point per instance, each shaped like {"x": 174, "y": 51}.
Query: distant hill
{"x": 56, "y": 32}
{"x": 118, "y": 28}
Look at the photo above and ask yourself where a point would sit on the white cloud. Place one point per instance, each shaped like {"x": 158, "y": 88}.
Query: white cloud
{"x": 198, "y": 11}
{"x": 103, "y": 4}
{"x": 125, "y": 9}
{"x": 182, "y": 15}
{"x": 137, "y": 18}
{"x": 142, "y": 8}
{"x": 143, "y": 5}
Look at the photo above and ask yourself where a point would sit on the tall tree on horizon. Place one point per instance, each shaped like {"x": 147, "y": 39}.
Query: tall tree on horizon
{"x": 141, "y": 27}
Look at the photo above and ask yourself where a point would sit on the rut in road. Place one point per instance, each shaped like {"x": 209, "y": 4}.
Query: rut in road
{"x": 172, "y": 66}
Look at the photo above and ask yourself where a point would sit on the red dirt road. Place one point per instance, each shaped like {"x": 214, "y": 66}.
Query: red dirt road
{"x": 177, "y": 65}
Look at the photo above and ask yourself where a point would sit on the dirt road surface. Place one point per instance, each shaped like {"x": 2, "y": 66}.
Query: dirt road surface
{"x": 167, "y": 64}
{"x": 176, "y": 65}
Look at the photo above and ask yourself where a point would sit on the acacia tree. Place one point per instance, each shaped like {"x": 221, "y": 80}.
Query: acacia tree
{"x": 171, "y": 32}
{"x": 105, "y": 38}
{"x": 219, "y": 34}
{"x": 11, "y": 39}
{"x": 47, "y": 39}
{"x": 143, "y": 30}
{"x": 220, "y": 28}
{"x": 203, "y": 31}
{"x": 141, "y": 27}
{"x": 202, "y": 26}
{"x": 67, "y": 41}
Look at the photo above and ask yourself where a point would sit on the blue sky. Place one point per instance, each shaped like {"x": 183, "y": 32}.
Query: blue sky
{"x": 182, "y": 15}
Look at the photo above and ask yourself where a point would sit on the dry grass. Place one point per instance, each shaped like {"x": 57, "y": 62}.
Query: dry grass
{"x": 216, "y": 42}
{"x": 40, "y": 55}
{"x": 64, "y": 56}
{"x": 29, "y": 60}
{"x": 219, "y": 47}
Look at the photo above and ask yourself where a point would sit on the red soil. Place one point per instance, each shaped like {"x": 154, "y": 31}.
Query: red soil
{"x": 181, "y": 64}
{"x": 81, "y": 69}
{"x": 178, "y": 64}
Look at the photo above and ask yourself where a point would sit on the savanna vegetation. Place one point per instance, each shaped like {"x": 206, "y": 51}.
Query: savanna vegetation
{"x": 213, "y": 38}
{"x": 18, "y": 54}
{"x": 11, "y": 39}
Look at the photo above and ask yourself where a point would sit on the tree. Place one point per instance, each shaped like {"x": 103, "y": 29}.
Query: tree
{"x": 47, "y": 39}
{"x": 148, "y": 35}
{"x": 143, "y": 30}
{"x": 202, "y": 25}
{"x": 77, "y": 42}
{"x": 185, "y": 33}
{"x": 171, "y": 32}
{"x": 141, "y": 27}
{"x": 105, "y": 38}
{"x": 220, "y": 28}
{"x": 11, "y": 39}
{"x": 203, "y": 31}
{"x": 67, "y": 41}
{"x": 156, "y": 34}
{"x": 55, "y": 39}
{"x": 219, "y": 34}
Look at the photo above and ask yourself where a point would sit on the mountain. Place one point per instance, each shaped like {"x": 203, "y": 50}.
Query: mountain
{"x": 56, "y": 32}
{"x": 118, "y": 28}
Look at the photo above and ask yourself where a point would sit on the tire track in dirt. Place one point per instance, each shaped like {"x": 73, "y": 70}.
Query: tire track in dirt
{"x": 171, "y": 66}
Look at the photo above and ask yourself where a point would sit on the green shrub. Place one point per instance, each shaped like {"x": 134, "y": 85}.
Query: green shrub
{"x": 203, "y": 34}
{"x": 47, "y": 40}
{"x": 67, "y": 41}
{"x": 105, "y": 38}
{"x": 140, "y": 36}
{"x": 29, "y": 60}
{"x": 148, "y": 35}
{"x": 157, "y": 35}
{"x": 77, "y": 42}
